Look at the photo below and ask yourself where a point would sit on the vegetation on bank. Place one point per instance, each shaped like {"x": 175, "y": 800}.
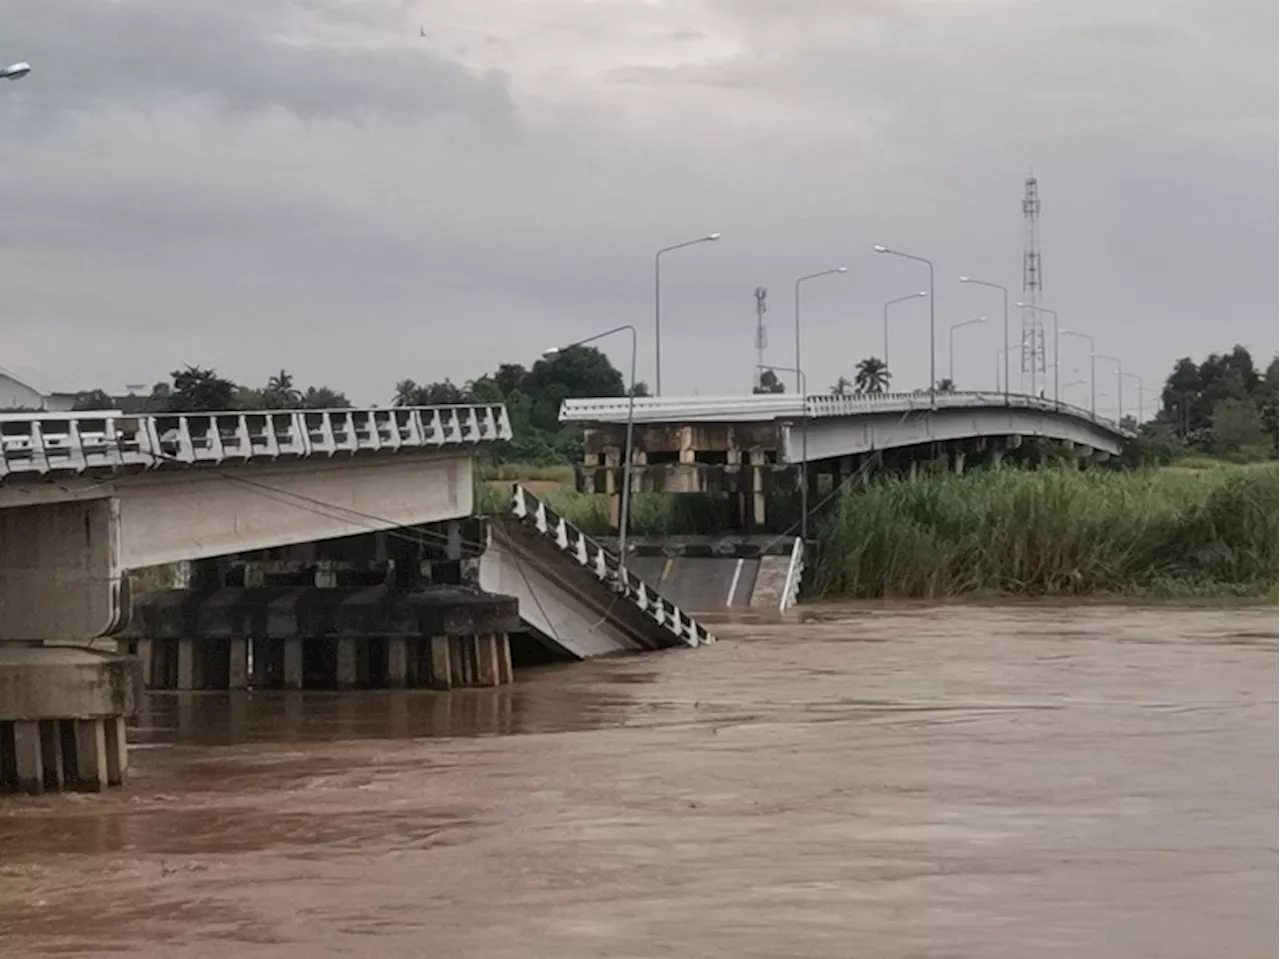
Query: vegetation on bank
{"x": 1054, "y": 532}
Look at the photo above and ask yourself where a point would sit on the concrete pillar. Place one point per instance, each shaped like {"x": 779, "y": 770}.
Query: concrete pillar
{"x": 292, "y": 669}
{"x": 51, "y": 759}
{"x": 29, "y": 759}
{"x": 997, "y": 456}
{"x": 238, "y": 663}
{"x": 441, "y": 667}
{"x": 957, "y": 460}
{"x": 117, "y": 755}
{"x": 757, "y": 460}
{"x": 186, "y": 663}
{"x": 505, "y": 673}
{"x": 397, "y": 661}
{"x": 487, "y": 660}
{"x": 144, "y": 658}
{"x": 458, "y": 660}
{"x": 348, "y": 662}
{"x": 91, "y": 755}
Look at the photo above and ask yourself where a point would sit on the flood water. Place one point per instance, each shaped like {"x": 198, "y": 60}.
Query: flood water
{"x": 959, "y": 782}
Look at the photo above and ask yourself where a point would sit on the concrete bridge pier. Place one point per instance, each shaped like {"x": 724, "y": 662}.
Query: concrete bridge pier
{"x": 62, "y": 704}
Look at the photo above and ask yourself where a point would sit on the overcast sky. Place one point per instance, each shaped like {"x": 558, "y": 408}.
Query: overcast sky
{"x": 256, "y": 184}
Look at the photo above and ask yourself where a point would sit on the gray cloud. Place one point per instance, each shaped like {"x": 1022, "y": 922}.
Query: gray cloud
{"x": 262, "y": 184}
{"x": 240, "y": 54}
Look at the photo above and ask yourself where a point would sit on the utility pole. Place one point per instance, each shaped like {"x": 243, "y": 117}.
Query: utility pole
{"x": 762, "y": 338}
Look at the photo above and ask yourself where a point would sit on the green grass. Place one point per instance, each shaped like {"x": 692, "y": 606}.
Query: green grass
{"x": 1054, "y": 532}
{"x": 525, "y": 472}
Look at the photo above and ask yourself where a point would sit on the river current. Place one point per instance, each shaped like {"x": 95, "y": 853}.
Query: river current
{"x": 971, "y": 781}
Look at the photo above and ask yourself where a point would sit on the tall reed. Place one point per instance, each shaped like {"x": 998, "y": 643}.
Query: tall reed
{"x": 1053, "y": 532}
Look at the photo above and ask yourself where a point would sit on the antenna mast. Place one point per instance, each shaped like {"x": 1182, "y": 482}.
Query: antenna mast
{"x": 1032, "y": 324}
{"x": 762, "y": 339}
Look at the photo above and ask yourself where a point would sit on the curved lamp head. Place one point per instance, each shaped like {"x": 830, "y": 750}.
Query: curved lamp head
{"x": 880, "y": 249}
{"x": 711, "y": 236}
{"x": 15, "y": 71}
{"x": 551, "y": 353}
{"x": 921, "y": 293}
{"x": 966, "y": 279}
{"x": 842, "y": 269}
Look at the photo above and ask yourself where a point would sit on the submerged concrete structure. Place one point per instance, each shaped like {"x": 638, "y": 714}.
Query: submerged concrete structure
{"x": 86, "y": 497}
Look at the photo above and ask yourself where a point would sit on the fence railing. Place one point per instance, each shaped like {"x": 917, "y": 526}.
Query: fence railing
{"x": 110, "y": 440}
{"x": 603, "y": 564}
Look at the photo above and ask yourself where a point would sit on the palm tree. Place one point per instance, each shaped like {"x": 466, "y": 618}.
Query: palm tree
{"x": 406, "y": 394}
{"x": 872, "y": 376}
{"x": 843, "y": 387}
{"x": 280, "y": 392}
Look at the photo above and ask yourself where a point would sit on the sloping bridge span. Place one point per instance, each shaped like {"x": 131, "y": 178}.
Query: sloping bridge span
{"x": 844, "y": 425}
{"x": 572, "y": 596}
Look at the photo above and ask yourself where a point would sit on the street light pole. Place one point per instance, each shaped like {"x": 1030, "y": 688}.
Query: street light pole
{"x": 889, "y": 303}
{"x": 1003, "y": 351}
{"x": 951, "y": 347}
{"x": 1005, "y": 292}
{"x": 811, "y": 276}
{"x": 804, "y": 448}
{"x": 1093, "y": 390}
{"x": 624, "y": 513}
{"x": 1135, "y": 376}
{"x": 1054, "y": 314}
{"x": 657, "y": 303}
{"x": 933, "y": 339}
{"x": 1119, "y": 384}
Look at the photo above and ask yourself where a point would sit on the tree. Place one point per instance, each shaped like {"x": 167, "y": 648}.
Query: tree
{"x": 843, "y": 387}
{"x": 323, "y": 398}
{"x": 1237, "y": 430}
{"x": 446, "y": 393}
{"x": 199, "y": 390}
{"x": 769, "y": 383}
{"x": 577, "y": 372}
{"x": 872, "y": 376}
{"x": 945, "y": 385}
{"x": 279, "y": 393}
{"x": 93, "y": 400}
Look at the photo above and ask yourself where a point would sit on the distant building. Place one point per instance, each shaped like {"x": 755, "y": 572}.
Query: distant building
{"x": 23, "y": 390}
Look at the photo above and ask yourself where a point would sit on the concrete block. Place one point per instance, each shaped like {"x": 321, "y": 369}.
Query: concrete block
{"x": 29, "y": 760}
{"x": 397, "y": 662}
{"x": 52, "y": 761}
{"x": 117, "y": 756}
{"x": 91, "y": 755}
{"x": 292, "y": 670}
{"x": 441, "y": 666}
{"x": 347, "y": 662}
{"x": 186, "y": 663}
{"x": 238, "y": 663}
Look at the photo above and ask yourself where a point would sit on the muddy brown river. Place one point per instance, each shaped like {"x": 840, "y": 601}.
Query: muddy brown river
{"x": 882, "y": 782}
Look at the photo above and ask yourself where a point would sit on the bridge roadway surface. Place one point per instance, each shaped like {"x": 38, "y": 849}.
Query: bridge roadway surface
{"x": 839, "y": 426}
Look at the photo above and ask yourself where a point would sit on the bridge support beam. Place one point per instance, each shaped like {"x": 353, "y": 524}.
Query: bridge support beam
{"x": 328, "y": 638}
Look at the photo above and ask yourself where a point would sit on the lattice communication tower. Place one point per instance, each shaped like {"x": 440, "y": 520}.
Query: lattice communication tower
{"x": 1032, "y": 284}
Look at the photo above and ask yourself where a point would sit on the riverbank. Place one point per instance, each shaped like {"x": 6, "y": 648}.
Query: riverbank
{"x": 1051, "y": 532}
{"x": 1054, "y": 532}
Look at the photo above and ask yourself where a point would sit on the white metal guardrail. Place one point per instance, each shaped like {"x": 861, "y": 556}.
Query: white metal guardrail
{"x": 603, "y": 564}
{"x": 766, "y": 407}
{"x": 39, "y": 444}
